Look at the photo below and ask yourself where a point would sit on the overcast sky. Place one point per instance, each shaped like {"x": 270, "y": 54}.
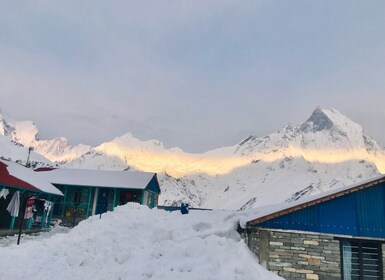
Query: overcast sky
{"x": 195, "y": 74}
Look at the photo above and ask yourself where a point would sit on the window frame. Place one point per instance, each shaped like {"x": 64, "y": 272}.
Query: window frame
{"x": 359, "y": 242}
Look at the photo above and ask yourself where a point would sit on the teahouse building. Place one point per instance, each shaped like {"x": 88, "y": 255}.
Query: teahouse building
{"x": 23, "y": 183}
{"x": 335, "y": 235}
{"x": 62, "y": 192}
{"x": 92, "y": 192}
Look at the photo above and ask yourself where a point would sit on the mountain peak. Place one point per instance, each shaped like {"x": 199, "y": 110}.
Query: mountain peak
{"x": 318, "y": 121}
{"x": 6, "y": 128}
{"x": 326, "y": 119}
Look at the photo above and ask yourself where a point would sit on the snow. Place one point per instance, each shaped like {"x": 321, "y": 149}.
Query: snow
{"x": 25, "y": 133}
{"x": 31, "y": 177}
{"x": 353, "y": 130}
{"x": 12, "y": 239}
{"x": 135, "y": 242}
{"x": 98, "y": 178}
{"x": 12, "y": 150}
{"x": 59, "y": 150}
{"x": 327, "y": 151}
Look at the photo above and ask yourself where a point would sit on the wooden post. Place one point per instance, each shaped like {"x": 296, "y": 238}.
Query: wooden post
{"x": 50, "y": 215}
{"x": 29, "y": 223}
{"x": 12, "y": 224}
{"x": 89, "y": 202}
{"x": 64, "y": 200}
{"x": 43, "y": 219}
{"x": 142, "y": 197}
{"x": 152, "y": 200}
{"x": 95, "y": 201}
{"x": 114, "y": 202}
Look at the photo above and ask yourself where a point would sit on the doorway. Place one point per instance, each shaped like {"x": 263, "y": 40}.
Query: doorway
{"x": 102, "y": 204}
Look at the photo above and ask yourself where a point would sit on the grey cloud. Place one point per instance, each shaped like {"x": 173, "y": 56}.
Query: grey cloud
{"x": 194, "y": 74}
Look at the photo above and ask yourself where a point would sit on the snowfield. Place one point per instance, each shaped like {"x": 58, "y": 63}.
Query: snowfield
{"x": 135, "y": 242}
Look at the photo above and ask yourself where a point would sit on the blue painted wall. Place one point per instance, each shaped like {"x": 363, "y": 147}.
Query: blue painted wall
{"x": 361, "y": 213}
{"x": 153, "y": 185}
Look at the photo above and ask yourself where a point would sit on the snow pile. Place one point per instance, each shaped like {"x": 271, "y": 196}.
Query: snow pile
{"x": 135, "y": 242}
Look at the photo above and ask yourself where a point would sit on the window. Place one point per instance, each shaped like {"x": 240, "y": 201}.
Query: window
{"x": 361, "y": 260}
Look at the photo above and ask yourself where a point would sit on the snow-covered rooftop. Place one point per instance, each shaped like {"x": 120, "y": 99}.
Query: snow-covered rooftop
{"x": 30, "y": 177}
{"x": 98, "y": 178}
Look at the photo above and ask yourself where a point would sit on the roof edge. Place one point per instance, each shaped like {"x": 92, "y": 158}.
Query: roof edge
{"x": 316, "y": 201}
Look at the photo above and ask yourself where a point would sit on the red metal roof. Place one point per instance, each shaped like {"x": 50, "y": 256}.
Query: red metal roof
{"x": 41, "y": 169}
{"x": 11, "y": 181}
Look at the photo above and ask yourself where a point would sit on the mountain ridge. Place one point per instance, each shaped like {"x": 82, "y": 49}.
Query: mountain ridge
{"x": 26, "y": 134}
{"x": 327, "y": 150}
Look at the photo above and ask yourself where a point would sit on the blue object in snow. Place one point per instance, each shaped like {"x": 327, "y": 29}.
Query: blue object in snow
{"x": 184, "y": 208}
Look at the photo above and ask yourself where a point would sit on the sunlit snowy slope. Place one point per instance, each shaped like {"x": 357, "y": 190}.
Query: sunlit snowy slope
{"x": 326, "y": 151}
{"x": 25, "y": 133}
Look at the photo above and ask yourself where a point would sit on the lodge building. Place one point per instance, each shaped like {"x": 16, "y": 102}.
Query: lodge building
{"x": 338, "y": 234}
{"x": 93, "y": 192}
{"x": 69, "y": 191}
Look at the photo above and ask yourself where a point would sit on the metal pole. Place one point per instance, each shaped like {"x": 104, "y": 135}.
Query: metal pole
{"x": 27, "y": 164}
{"x": 24, "y": 206}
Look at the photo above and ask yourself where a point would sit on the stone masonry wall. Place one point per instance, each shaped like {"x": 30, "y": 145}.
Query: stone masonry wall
{"x": 297, "y": 255}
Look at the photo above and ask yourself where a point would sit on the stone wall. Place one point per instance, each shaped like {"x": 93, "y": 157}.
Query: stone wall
{"x": 296, "y": 255}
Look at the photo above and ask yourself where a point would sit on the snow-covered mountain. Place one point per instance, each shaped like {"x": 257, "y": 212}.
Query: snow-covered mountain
{"x": 326, "y": 151}
{"x": 25, "y": 133}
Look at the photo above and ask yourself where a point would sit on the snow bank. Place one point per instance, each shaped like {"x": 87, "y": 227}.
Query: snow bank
{"x": 135, "y": 242}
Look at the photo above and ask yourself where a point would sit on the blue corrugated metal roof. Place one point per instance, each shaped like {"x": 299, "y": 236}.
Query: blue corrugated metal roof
{"x": 360, "y": 213}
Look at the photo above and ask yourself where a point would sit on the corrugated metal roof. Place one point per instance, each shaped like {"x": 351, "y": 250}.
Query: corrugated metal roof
{"x": 18, "y": 176}
{"x": 260, "y": 215}
{"x": 360, "y": 213}
{"x": 98, "y": 178}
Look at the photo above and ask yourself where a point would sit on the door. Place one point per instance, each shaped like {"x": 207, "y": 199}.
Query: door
{"x": 102, "y": 205}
